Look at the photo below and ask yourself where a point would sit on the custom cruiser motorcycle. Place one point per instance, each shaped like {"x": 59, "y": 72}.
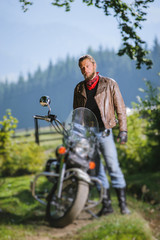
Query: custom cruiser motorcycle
{"x": 73, "y": 173}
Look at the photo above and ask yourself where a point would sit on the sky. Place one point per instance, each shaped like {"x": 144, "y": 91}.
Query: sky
{"x": 45, "y": 32}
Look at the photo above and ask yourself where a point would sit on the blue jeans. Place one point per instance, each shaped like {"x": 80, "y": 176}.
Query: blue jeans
{"x": 109, "y": 153}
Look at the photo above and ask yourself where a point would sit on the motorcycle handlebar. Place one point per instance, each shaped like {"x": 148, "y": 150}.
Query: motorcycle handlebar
{"x": 48, "y": 118}
{"x": 57, "y": 124}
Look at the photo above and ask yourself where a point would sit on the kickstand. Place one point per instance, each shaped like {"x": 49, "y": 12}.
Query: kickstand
{"x": 92, "y": 214}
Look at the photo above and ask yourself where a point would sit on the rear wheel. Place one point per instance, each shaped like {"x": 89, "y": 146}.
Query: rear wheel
{"x": 63, "y": 211}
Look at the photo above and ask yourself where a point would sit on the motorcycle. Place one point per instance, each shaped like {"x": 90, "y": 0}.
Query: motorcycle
{"x": 75, "y": 187}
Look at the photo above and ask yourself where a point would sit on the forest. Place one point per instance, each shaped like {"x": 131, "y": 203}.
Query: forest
{"x": 59, "y": 80}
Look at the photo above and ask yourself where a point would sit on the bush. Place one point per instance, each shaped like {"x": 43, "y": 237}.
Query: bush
{"x": 149, "y": 109}
{"x": 134, "y": 155}
{"x": 141, "y": 153}
{"x": 8, "y": 124}
{"x": 17, "y": 159}
{"x": 23, "y": 159}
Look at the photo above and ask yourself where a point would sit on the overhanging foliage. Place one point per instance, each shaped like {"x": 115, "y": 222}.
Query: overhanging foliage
{"x": 129, "y": 17}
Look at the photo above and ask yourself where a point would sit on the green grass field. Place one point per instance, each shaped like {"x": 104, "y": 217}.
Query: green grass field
{"x": 22, "y": 217}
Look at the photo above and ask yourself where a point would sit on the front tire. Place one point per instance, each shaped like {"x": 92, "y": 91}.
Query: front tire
{"x": 61, "y": 212}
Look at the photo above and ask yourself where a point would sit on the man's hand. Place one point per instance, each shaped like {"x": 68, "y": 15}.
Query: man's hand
{"x": 122, "y": 137}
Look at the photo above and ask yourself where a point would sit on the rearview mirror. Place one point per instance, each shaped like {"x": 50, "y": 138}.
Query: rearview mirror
{"x": 45, "y": 102}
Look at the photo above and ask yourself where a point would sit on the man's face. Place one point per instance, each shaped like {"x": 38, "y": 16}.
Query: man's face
{"x": 88, "y": 69}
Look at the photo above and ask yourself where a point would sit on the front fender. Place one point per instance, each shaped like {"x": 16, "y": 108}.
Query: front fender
{"x": 80, "y": 174}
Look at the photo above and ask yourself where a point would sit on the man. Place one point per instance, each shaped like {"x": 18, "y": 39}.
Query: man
{"x": 102, "y": 96}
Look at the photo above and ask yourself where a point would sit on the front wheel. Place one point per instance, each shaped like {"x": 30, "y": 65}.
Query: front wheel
{"x": 61, "y": 212}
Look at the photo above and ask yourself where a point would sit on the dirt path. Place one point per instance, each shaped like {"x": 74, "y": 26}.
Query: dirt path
{"x": 48, "y": 233}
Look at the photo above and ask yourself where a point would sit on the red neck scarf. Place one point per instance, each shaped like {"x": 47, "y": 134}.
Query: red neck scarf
{"x": 93, "y": 82}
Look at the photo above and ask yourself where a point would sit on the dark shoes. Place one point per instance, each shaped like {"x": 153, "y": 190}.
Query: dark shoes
{"x": 121, "y": 194}
{"x": 124, "y": 209}
{"x": 105, "y": 211}
{"x": 106, "y": 202}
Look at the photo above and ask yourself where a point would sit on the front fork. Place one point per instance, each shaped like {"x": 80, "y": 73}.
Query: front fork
{"x": 61, "y": 177}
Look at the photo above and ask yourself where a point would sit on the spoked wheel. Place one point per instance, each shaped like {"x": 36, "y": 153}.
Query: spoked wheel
{"x": 61, "y": 212}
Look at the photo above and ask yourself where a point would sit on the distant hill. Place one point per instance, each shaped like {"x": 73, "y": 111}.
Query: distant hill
{"x": 59, "y": 80}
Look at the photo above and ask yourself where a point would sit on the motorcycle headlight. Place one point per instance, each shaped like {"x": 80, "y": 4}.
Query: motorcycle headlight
{"x": 82, "y": 148}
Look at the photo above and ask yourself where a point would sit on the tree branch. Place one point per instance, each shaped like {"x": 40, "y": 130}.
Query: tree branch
{"x": 129, "y": 17}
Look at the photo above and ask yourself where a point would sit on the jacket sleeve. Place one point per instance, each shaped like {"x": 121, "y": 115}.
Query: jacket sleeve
{"x": 120, "y": 108}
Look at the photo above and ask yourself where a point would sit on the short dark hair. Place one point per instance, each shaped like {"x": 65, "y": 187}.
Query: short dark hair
{"x": 87, "y": 56}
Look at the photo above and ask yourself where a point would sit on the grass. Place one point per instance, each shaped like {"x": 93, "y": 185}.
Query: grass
{"x": 145, "y": 187}
{"x": 117, "y": 227}
{"x": 22, "y": 217}
{"x": 15, "y": 232}
{"x": 16, "y": 201}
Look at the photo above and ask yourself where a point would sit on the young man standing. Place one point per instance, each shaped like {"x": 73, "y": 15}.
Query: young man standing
{"x": 102, "y": 96}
